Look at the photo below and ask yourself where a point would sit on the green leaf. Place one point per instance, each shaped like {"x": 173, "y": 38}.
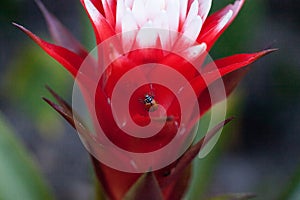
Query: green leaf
{"x": 146, "y": 187}
{"x": 20, "y": 178}
{"x": 233, "y": 197}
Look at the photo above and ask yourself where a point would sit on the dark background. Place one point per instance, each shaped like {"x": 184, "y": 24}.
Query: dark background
{"x": 259, "y": 155}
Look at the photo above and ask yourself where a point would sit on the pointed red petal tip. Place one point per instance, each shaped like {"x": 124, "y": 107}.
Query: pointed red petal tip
{"x": 224, "y": 66}
{"x": 231, "y": 69}
{"x": 213, "y": 26}
{"x": 267, "y": 51}
{"x": 59, "y": 33}
{"x": 61, "y": 110}
{"x": 60, "y": 101}
{"x": 66, "y": 111}
{"x": 68, "y": 59}
{"x": 237, "y": 61}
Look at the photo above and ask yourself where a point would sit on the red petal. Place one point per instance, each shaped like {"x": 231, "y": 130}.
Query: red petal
{"x": 180, "y": 64}
{"x": 102, "y": 28}
{"x": 60, "y": 34}
{"x": 230, "y": 69}
{"x": 219, "y": 68}
{"x": 68, "y": 59}
{"x": 99, "y": 6}
{"x": 115, "y": 183}
{"x": 177, "y": 188}
{"x": 210, "y": 31}
{"x": 145, "y": 186}
{"x": 107, "y": 8}
{"x": 110, "y": 10}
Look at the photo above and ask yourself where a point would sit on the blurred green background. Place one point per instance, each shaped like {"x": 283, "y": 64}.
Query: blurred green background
{"x": 41, "y": 157}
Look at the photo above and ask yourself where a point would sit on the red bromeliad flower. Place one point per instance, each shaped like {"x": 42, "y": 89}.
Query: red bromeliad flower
{"x": 162, "y": 45}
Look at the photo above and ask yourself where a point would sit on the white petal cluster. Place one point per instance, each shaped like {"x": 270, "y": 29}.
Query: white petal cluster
{"x": 171, "y": 15}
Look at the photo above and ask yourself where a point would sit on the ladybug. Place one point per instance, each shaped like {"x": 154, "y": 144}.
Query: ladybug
{"x": 150, "y": 103}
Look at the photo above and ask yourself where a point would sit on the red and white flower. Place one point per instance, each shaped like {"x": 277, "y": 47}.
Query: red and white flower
{"x": 173, "y": 33}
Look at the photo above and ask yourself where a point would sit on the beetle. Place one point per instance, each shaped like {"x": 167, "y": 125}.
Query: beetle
{"x": 150, "y": 103}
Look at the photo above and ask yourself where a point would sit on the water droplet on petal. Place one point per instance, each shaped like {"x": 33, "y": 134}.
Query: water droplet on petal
{"x": 133, "y": 164}
{"x": 176, "y": 124}
{"x": 124, "y": 124}
{"x": 180, "y": 90}
{"x": 182, "y": 131}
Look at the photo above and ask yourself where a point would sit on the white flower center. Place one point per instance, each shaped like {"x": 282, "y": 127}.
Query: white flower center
{"x": 167, "y": 15}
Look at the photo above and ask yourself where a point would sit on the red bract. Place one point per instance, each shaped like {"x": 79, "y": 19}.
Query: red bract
{"x": 163, "y": 44}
